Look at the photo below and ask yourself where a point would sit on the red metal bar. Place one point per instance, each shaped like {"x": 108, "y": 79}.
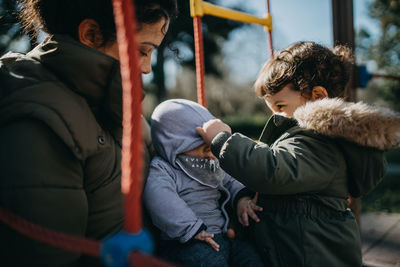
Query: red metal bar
{"x": 199, "y": 54}
{"x": 271, "y": 48}
{"x": 131, "y": 166}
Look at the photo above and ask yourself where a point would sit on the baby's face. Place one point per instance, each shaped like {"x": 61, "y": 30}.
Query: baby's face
{"x": 202, "y": 151}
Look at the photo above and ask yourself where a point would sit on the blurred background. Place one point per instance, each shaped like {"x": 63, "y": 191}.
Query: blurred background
{"x": 234, "y": 53}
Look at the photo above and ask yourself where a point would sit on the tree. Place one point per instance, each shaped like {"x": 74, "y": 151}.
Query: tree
{"x": 180, "y": 36}
{"x": 386, "y": 50}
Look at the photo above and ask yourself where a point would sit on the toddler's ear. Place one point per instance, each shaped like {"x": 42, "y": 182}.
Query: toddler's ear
{"x": 89, "y": 33}
{"x": 318, "y": 92}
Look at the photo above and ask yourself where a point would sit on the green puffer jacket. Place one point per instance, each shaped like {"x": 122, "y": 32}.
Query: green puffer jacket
{"x": 60, "y": 139}
{"x": 304, "y": 169}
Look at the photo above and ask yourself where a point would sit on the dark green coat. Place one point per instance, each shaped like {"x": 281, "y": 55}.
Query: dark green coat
{"x": 304, "y": 179}
{"x": 60, "y": 139}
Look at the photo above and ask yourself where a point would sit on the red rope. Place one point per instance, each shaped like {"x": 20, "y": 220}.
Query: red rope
{"x": 199, "y": 53}
{"x": 132, "y": 146}
{"x": 271, "y": 49}
{"x": 142, "y": 260}
{"x": 50, "y": 237}
{"x": 67, "y": 242}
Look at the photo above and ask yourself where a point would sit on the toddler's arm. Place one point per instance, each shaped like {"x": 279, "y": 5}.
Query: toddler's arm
{"x": 296, "y": 165}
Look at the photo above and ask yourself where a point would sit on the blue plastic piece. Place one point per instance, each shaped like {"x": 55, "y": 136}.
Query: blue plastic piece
{"x": 363, "y": 76}
{"x": 117, "y": 248}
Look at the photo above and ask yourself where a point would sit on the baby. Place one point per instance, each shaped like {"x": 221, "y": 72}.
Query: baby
{"x": 187, "y": 192}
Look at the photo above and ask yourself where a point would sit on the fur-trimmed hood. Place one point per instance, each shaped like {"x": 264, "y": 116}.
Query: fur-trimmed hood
{"x": 359, "y": 123}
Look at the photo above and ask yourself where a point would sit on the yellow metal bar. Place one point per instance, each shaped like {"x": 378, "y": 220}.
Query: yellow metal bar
{"x": 196, "y": 8}
{"x": 200, "y": 8}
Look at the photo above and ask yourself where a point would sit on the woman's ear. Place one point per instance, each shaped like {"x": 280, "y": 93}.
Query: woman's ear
{"x": 318, "y": 92}
{"x": 89, "y": 33}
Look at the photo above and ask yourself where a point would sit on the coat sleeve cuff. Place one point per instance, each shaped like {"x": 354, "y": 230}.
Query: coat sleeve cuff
{"x": 192, "y": 233}
{"x": 202, "y": 227}
{"x": 245, "y": 192}
{"x": 218, "y": 141}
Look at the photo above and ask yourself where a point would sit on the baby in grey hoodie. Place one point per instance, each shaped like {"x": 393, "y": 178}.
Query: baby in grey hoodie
{"x": 186, "y": 192}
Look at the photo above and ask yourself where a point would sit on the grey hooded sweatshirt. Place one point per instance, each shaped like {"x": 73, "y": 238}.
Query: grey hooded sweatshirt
{"x": 182, "y": 194}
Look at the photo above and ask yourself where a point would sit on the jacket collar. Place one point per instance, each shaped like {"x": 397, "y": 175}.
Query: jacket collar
{"x": 275, "y": 127}
{"x": 92, "y": 74}
{"x": 359, "y": 123}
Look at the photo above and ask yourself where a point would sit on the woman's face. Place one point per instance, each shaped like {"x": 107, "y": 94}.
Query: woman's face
{"x": 149, "y": 39}
{"x": 286, "y": 101}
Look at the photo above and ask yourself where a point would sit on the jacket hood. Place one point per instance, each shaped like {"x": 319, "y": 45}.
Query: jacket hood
{"x": 173, "y": 127}
{"x": 363, "y": 124}
{"x": 361, "y": 131}
{"x": 86, "y": 71}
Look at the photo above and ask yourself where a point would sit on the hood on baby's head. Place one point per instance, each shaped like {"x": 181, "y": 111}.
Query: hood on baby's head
{"x": 173, "y": 127}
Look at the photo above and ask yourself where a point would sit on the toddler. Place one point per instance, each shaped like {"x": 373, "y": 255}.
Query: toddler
{"x": 313, "y": 152}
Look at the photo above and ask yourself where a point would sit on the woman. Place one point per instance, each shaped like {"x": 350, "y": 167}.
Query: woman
{"x": 61, "y": 123}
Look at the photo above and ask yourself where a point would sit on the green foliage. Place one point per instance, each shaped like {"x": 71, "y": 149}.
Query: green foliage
{"x": 215, "y": 30}
{"x": 390, "y": 92}
{"x": 387, "y": 11}
{"x": 386, "y": 196}
{"x": 251, "y": 126}
{"x": 181, "y": 42}
{"x": 385, "y": 51}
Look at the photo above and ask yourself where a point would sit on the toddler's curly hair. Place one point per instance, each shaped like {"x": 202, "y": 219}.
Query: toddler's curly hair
{"x": 305, "y": 65}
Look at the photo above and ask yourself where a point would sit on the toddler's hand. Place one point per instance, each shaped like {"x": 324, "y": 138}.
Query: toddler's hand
{"x": 246, "y": 208}
{"x": 211, "y": 128}
{"x": 207, "y": 237}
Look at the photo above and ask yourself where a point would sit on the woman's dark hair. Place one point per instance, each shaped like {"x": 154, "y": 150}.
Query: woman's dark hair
{"x": 64, "y": 16}
{"x": 305, "y": 65}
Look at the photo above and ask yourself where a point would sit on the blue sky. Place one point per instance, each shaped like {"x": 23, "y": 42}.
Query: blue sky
{"x": 293, "y": 20}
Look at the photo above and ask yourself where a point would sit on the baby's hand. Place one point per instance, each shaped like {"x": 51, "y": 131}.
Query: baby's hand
{"x": 207, "y": 237}
{"x": 211, "y": 128}
{"x": 246, "y": 208}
